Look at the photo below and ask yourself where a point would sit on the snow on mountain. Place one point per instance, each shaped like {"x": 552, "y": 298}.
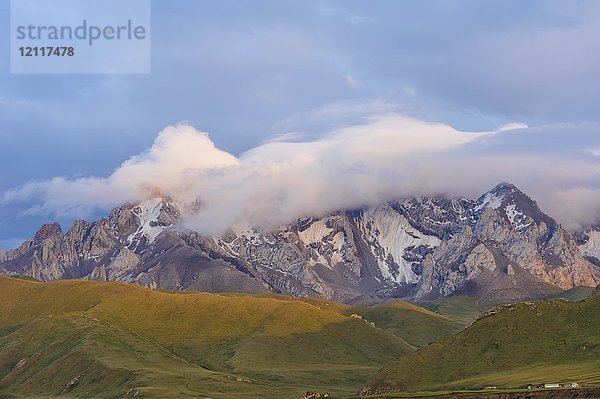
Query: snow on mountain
{"x": 492, "y": 200}
{"x": 228, "y": 247}
{"x": 315, "y": 233}
{"x": 437, "y": 216}
{"x": 389, "y": 235}
{"x": 520, "y": 210}
{"x": 516, "y": 217}
{"x": 591, "y": 246}
{"x": 417, "y": 248}
{"x": 318, "y": 233}
{"x": 154, "y": 216}
{"x": 504, "y": 196}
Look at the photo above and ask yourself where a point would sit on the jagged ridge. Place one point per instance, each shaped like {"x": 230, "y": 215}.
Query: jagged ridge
{"x": 500, "y": 248}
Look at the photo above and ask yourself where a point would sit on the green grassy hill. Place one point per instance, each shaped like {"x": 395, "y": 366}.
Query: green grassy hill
{"x": 87, "y": 339}
{"x": 529, "y": 343}
{"x": 415, "y": 325}
{"x": 462, "y": 309}
{"x": 575, "y": 294}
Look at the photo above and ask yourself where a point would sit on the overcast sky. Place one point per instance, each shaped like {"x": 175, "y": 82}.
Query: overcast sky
{"x": 248, "y": 71}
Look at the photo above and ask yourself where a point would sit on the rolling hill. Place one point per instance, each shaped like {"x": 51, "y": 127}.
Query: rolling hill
{"x": 88, "y": 339}
{"x": 415, "y": 325}
{"x": 551, "y": 341}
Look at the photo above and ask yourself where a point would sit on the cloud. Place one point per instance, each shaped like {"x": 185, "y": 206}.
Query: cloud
{"x": 333, "y": 115}
{"x": 350, "y": 81}
{"x": 389, "y": 156}
{"x": 579, "y": 206}
{"x": 176, "y": 151}
{"x": 512, "y": 126}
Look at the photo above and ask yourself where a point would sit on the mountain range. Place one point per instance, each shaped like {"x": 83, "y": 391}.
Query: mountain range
{"x": 499, "y": 248}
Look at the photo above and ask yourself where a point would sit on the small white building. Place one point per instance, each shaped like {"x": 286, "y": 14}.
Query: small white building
{"x": 551, "y": 385}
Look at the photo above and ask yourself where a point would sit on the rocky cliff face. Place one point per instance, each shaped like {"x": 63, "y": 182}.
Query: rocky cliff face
{"x": 136, "y": 244}
{"x": 589, "y": 244}
{"x": 508, "y": 247}
{"x": 501, "y": 247}
{"x": 346, "y": 255}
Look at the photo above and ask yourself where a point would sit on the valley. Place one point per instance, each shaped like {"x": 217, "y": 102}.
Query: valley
{"x": 512, "y": 346}
{"x": 87, "y": 339}
{"x": 79, "y": 339}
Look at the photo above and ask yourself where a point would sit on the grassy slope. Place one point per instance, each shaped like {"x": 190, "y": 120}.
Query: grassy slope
{"x": 462, "y": 309}
{"x": 575, "y": 294}
{"x": 548, "y": 341}
{"x": 416, "y": 325}
{"x": 110, "y": 337}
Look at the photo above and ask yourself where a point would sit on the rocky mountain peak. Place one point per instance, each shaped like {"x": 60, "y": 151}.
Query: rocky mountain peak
{"x": 438, "y": 216}
{"x": 514, "y": 206}
{"x": 501, "y": 195}
{"x": 501, "y": 247}
{"x": 151, "y": 217}
{"x": 157, "y": 211}
{"x": 506, "y": 187}
{"x": 47, "y": 231}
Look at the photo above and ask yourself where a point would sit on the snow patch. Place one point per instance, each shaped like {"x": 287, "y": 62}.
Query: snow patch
{"x": 249, "y": 235}
{"x": 490, "y": 200}
{"x": 226, "y": 246}
{"x": 516, "y": 217}
{"x": 338, "y": 242}
{"x": 315, "y": 233}
{"x": 326, "y": 243}
{"x": 592, "y": 247}
{"x": 148, "y": 212}
{"x": 388, "y": 233}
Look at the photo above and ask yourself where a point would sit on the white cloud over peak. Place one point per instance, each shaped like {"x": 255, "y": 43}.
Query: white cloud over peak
{"x": 388, "y": 157}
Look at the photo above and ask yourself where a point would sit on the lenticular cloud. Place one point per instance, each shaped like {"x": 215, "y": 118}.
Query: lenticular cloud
{"x": 388, "y": 157}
